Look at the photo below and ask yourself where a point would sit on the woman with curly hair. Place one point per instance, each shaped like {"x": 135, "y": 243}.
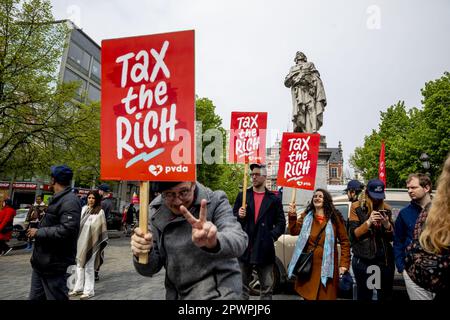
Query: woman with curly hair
{"x": 320, "y": 228}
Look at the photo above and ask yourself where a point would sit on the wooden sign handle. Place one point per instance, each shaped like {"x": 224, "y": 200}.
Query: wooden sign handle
{"x": 143, "y": 214}
{"x": 244, "y": 188}
{"x": 293, "y": 195}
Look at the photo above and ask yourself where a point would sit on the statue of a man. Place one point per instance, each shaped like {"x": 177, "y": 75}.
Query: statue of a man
{"x": 308, "y": 95}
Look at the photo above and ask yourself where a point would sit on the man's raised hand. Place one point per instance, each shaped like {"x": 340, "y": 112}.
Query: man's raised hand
{"x": 204, "y": 233}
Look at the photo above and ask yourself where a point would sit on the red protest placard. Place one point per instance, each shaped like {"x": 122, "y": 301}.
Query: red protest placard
{"x": 248, "y": 137}
{"x": 298, "y": 160}
{"x": 148, "y": 108}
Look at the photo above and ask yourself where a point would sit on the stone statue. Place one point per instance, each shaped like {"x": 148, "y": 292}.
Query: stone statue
{"x": 308, "y": 95}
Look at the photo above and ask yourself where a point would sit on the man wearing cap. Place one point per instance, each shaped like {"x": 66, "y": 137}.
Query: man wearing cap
{"x": 419, "y": 190}
{"x": 354, "y": 188}
{"x": 195, "y": 236}
{"x": 371, "y": 232}
{"x": 263, "y": 219}
{"x": 107, "y": 204}
{"x": 55, "y": 244}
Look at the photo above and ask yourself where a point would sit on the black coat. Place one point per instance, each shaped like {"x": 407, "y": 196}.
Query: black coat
{"x": 56, "y": 239}
{"x": 271, "y": 224}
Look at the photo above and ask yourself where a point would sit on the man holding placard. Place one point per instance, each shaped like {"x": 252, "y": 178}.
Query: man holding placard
{"x": 262, "y": 218}
{"x": 195, "y": 236}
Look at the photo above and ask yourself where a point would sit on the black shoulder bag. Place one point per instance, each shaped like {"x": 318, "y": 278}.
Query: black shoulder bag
{"x": 303, "y": 267}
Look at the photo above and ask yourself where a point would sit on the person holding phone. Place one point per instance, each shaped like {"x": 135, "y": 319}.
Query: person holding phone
{"x": 371, "y": 232}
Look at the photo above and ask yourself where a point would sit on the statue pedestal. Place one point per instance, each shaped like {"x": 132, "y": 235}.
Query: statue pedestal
{"x": 304, "y": 196}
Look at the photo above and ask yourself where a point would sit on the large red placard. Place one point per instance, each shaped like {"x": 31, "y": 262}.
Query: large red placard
{"x": 148, "y": 108}
{"x": 248, "y": 137}
{"x": 298, "y": 160}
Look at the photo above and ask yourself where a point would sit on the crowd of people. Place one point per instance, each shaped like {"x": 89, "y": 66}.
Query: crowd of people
{"x": 194, "y": 228}
{"x": 368, "y": 242}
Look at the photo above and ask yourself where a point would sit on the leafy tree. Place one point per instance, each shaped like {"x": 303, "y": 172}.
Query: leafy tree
{"x": 220, "y": 175}
{"x": 208, "y": 174}
{"x": 40, "y": 124}
{"x": 407, "y": 134}
{"x": 436, "y": 115}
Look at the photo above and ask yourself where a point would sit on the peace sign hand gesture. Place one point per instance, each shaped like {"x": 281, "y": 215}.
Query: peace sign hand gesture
{"x": 204, "y": 233}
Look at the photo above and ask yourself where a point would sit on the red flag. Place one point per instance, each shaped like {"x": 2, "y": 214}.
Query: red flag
{"x": 382, "y": 165}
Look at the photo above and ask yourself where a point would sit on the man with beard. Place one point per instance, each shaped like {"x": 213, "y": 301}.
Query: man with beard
{"x": 262, "y": 218}
{"x": 419, "y": 190}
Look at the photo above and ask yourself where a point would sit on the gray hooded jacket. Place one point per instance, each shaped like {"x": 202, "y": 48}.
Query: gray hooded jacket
{"x": 193, "y": 272}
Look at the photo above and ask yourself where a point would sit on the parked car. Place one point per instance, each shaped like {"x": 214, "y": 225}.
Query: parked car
{"x": 19, "y": 224}
{"x": 284, "y": 246}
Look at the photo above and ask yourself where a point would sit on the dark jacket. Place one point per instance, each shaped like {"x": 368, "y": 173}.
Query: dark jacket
{"x": 271, "y": 224}
{"x": 404, "y": 229}
{"x": 56, "y": 239}
{"x": 107, "y": 206}
{"x": 193, "y": 272}
{"x": 375, "y": 244}
{"x": 131, "y": 211}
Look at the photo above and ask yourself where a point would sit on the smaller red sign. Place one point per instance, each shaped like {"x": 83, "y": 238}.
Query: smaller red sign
{"x": 248, "y": 137}
{"x": 298, "y": 160}
{"x": 25, "y": 185}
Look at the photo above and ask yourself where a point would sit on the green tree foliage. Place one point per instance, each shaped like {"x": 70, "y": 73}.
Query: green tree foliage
{"x": 40, "y": 124}
{"x": 217, "y": 176}
{"x": 407, "y": 134}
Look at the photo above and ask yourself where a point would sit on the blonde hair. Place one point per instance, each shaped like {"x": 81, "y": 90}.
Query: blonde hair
{"x": 435, "y": 236}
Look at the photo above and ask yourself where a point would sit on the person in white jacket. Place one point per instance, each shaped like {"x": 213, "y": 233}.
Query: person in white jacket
{"x": 92, "y": 240}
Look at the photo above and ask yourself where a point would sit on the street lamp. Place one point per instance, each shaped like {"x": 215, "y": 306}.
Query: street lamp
{"x": 425, "y": 162}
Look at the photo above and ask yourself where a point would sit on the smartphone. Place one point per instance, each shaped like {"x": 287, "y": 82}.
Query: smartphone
{"x": 383, "y": 212}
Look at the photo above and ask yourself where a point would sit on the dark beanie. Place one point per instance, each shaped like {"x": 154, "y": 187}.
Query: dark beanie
{"x": 160, "y": 186}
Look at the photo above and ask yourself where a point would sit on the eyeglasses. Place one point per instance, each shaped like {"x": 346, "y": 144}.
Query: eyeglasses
{"x": 183, "y": 194}
{"x": 256, "y": 175}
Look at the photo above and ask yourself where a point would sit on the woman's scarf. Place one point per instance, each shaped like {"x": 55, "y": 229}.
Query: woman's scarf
{"x": 328, "y": 249}
{"x": 92, "y": 238}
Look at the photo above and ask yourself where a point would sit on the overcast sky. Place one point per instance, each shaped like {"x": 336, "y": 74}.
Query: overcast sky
{"x": 370, "y": 54}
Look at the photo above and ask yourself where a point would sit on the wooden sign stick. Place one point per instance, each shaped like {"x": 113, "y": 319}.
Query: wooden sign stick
{"x": 143, "y": 215}
{"x": 244, "y": 188}
{"x": 293, "y": 195}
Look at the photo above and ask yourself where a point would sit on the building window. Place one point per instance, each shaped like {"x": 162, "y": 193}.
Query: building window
{"x": 275, "y": 170}
{"x": 93, "y": 93}
{"x": 70, "y": 76}
{"x": 78, "y": 55}
{"x": 333, "y": 172}
{"x": 96, "y": 70}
